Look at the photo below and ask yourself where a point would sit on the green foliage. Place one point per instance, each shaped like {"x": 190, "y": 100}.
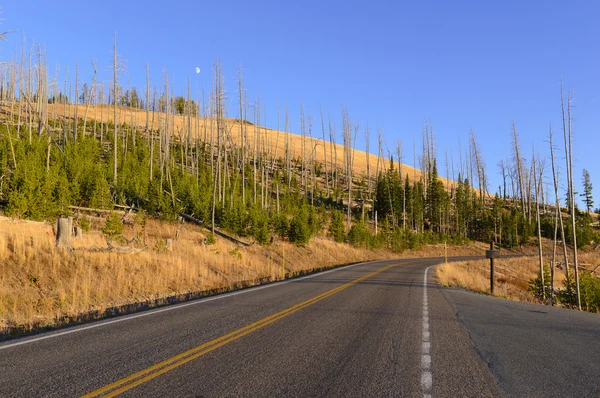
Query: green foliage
{"x": 568, "y": 295}
{"x": 585, "y": 233}
{"x": 589, "y": 290}
{"x": 359, "y": 235}
{"x": 140, "y": 219}
{"x": 587, "y": 191}
{"x": 113, "y": 226}
{"x": 281, "y": 225}
{"x": 210, "y": 239}
{"x": 81, "y": 173}
{"x": 236, "y": 253}
{"x": 84, "y": 223}
{"x": 336, "y": 226}
{"x": 260, "y": 227}
{"x": 535, "y": 284}
{"x": 589, "y": 287}
{"x": 300, "y": 230}
{"x": 160, "y": 246}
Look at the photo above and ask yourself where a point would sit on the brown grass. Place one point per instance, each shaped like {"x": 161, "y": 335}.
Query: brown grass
{"x": 43, "y": 286}
{"x": 512, "y": 275}
{"x": 40, "y": 284}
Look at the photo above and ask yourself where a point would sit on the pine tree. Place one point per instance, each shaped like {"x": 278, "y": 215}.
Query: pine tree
{"x": 587, "y": 191}
{"x": 336, "y": 227}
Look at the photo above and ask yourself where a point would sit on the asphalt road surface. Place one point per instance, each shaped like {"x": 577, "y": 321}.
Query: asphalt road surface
{"x": 382, "y": 328}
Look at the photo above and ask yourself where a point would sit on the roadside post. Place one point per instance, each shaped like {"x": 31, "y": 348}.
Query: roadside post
{"x": 446, "y": 251}
{"x": 492, "y": 254}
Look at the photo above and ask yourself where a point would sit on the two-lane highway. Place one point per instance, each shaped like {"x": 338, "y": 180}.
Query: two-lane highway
{"x": 382, "y": 328}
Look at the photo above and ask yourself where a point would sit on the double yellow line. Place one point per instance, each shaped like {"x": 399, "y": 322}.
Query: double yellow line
{"x": 160, "y": 368}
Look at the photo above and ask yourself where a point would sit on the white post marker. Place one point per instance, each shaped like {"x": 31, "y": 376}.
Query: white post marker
{"x": 426, "y": 377}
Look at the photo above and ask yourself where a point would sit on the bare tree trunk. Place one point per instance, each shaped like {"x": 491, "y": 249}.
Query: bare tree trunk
{"x": 568, "y": 136}
{"x": 89, "y": 99}
{"x": 21, "y": 81}
{"x": 303, "y": 155}
{"x": 400, "y": 160}
{"x": 63, "y": 234}
{"x": 243, "y": 143}
{"x": 12, "y": 148}
{"x": 151, "y": 137}
{"x": 312, "y": 162}
{"x": 539, "y": 227}
{"x": 347, "y": 133}
{"x": 553, "y": 264}
{"x": 115, "y": 100}
{"x": 560, "y": 219}
{"x": 368, "y": 159}
{"x": 255, "y": 154}
{"x": 325, "y": 152}
{"x": 333, "y": 147}
{"x": 519, "y": 167}
{"x": 288, "y": 163}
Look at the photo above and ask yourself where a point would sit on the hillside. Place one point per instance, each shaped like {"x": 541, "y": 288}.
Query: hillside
{"x": 273, "y": 140}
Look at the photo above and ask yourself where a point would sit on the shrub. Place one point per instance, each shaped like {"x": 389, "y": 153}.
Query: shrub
{"x": 84, "y": 223}
{"x": 299, "y": 231}
{"x": 336, "y": 227}
{"x": 113, "y": 226}
{"x": 282, "y": 225}
{"x": 359, "y": 235}
{"x": 210, "y": 239}
{"x": 589, "y": 288}
{"x": 535, "y": 284}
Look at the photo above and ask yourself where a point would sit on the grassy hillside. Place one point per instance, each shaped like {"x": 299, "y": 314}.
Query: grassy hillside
{"x": 274, "y": 140}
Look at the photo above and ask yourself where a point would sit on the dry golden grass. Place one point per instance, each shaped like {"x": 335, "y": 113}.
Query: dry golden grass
{"x": 43, "y": 286}
{"x": 475, "y": 275}
{"x": 39, "y": 284}
{"x": 512, "y": 275}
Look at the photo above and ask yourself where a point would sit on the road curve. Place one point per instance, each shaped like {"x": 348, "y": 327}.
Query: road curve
{"x": 381, "y": 328}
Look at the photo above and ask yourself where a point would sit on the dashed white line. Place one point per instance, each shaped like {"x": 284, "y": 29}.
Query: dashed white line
{"x": 426, "y": 376}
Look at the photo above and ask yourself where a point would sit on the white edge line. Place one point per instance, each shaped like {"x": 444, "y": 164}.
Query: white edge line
{"x": 426, "y": 371}
{"x": 172, "y": 307}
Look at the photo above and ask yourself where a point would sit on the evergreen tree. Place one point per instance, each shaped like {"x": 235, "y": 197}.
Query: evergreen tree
{"x": 336, "y": 226}
{"x": 587, "y": 191}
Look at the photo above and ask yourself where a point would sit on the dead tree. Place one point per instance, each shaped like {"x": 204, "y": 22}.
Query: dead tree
{"x": 90, "y": 95}
{"x": 75, "y": 115}
{"x": 63, "y": 233}
{"x": 242, "y": 135}
{"x": 479, "y": 164}
{"x": 568, "y": 138}
{"x": 115, "y": 68}
{"x": 401, "y": 177}
{"x": 519, "y": 165}
{"x": 347, "y": 131}
{"x": 325, "y": 152}
{"x": 538, "y": 186}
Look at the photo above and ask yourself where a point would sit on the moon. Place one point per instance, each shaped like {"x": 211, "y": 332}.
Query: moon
{"x": 197, "y": 70}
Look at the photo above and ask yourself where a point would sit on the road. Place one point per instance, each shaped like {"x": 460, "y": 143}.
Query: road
{"x": 382, "y": 328}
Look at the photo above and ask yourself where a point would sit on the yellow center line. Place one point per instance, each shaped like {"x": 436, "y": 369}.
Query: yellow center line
{"x": 158, "y": 369}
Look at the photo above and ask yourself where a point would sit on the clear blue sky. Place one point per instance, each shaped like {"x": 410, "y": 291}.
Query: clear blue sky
{"x": 462, "y": 64}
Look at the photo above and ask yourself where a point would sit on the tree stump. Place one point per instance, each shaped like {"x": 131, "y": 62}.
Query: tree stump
{"x": 170, "y": 244}
{"x": 63, "y": 234}
{"x": 78, "y": 232}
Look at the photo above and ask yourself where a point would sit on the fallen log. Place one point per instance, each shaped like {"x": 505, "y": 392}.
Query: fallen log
{"x": 217, "y": 232}
{"x": 96, "y": 210}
